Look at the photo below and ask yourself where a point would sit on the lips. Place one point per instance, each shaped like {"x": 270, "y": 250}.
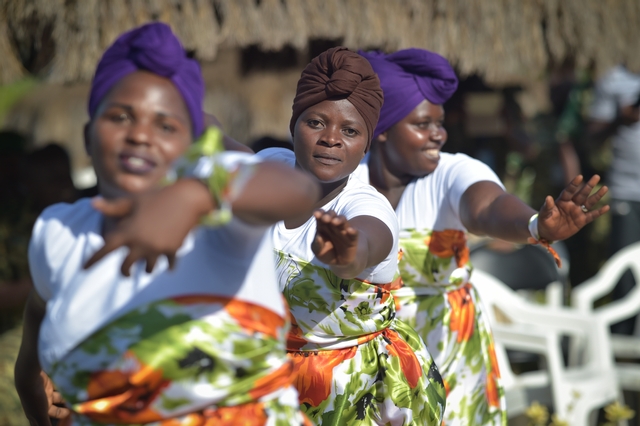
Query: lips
{"x": 327, "y": 159}
{"x": 136, "y": 163}
{"x": 432, "y": 153}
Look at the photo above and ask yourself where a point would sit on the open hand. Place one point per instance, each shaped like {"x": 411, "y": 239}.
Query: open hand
{"x": 560, "y": 219}
{"x": 336, "y": 241}
{"x": 153, "y": 224}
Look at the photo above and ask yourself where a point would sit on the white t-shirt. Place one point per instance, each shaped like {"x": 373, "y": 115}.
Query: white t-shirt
{"x": 616, "y": 89}
{"x": 433, "y": 201}
{"x": 356, "y": 199}
{"x": 234, "y": 260}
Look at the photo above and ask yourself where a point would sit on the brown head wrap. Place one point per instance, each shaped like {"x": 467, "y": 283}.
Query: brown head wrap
{"x": 339, "y": 73}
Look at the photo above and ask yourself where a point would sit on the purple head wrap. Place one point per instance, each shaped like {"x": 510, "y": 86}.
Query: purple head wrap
{"x": 152, "y": 47}
{"x": 408, "y": 77}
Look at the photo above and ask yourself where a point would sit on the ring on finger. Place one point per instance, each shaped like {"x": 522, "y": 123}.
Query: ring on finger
{"x": 584, "y": 208}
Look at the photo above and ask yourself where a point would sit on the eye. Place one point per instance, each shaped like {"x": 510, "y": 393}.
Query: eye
{"x": 314, "y": 123}
{"x": 350, "y": 132}
{"x": 167, "y": 128}
{"x": 118, "y": 117}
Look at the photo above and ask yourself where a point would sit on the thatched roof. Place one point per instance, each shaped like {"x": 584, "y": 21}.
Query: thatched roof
{"x": 504, "y": 40}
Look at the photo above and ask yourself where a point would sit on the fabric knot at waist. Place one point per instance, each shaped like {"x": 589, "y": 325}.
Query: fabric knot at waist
{"x": 348, "y": 314}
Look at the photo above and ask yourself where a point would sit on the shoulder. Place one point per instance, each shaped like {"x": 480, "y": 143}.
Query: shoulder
{"x": 64, "y": 220}
{"x": 361, "y": 199}
{"x": 454, "y": 165}
{"x": 357, "y": 188}
{"x": 282, "y": 155}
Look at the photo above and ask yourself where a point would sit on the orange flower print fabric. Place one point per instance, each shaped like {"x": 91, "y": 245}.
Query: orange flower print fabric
{"x": 438, "y": 300}
{"x": 356, "y": 364}
{"x": 197, "y": 360}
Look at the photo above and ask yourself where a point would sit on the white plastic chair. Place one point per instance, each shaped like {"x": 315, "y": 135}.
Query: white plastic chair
{"x": 517, "y": 324}
{"x": 584, "y": 296}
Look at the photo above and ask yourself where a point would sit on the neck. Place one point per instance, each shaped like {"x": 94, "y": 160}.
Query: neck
{"x": 329, "y": 191}
{"x": 381, "y": 175}
{"x": 388, "y": 182}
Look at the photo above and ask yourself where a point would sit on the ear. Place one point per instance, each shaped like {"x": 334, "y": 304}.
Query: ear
{"x": 85, "y": 133}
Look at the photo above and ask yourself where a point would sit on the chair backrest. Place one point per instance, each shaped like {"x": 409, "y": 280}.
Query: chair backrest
{"x": 506, "y": 308}
{"x": 584, "y": 295}
{"x": 578, "y": 389}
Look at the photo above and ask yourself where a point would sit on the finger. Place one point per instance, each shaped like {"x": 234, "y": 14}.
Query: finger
{"x": 571, "y": 189}
{"x": 595, "y": 198}
{"x": 118, "y": 207}
{"x": 56, "y": 398}
{"x": 581, "y": 196}
{"x": 58, "y": 412}
{"x": 318, "y": 213}
{"x": 339, "y": 221}
{"x": 547, "y": 207}
{"x": 110, "y": 244}
{"x": 133, "y": 256}
{"x": 151, "y": 263}
{"x": 171, "y": 258}
{"x": 593, "y": 215}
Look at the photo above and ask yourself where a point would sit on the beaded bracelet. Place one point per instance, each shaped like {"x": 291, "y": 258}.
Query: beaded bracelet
{"x": 535, "y": 239}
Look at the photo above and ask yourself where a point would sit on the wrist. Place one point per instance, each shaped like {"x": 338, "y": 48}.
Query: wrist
{"x": 533, "y": 227}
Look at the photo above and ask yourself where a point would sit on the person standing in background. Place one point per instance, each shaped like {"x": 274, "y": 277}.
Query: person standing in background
{"x": 615, "y": 113}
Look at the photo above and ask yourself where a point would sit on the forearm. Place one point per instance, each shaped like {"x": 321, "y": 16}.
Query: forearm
{"x": 486, "y": 209}
{"x": 30, "y": 388}
{"x": 276, "y": 192}
{"x": 29, "y": 383}
{"x": 507, "y": 218}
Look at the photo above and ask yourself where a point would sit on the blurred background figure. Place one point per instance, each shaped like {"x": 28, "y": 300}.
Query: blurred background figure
{"x": 615, "y": 114}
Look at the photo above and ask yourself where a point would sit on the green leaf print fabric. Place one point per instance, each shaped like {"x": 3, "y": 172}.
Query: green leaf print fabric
{"x": 183, "y": 361}
{"x": 441, "y": 304}
{"x": 356, "y": 363}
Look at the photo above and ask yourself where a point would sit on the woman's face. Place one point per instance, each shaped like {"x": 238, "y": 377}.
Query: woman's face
{"x": 141, "y": 127}
{"x": 330, "y": 139}
{"x": 411, "y": 147}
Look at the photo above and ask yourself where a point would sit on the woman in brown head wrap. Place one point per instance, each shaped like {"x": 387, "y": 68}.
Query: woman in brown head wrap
{"x": 356, "y": 363}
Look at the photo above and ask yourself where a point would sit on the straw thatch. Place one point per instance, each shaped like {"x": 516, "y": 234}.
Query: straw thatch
{"x": 504, "y": 40}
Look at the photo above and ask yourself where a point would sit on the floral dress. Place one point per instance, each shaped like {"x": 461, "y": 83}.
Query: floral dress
{"x": 190, "y": 360}
{"x": 437, "y": 297}
{"x": 356, "y": 363}
{"x": 203, "y": 344}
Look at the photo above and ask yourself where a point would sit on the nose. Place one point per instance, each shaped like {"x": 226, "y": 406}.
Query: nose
{"x": 330, "y": 137}
{"x": 139, "y": 133}
{"x": 435, "y": 132}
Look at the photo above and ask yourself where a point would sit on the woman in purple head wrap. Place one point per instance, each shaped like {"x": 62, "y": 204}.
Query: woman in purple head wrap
{"x": 201, "y": 344}
{"x": 438, "y": 198}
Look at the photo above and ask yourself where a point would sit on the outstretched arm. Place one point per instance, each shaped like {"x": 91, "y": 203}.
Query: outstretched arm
{"x": 486, "y": 209}
{"x": 273, "y": 192}
{"x": 350, "y": 246}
